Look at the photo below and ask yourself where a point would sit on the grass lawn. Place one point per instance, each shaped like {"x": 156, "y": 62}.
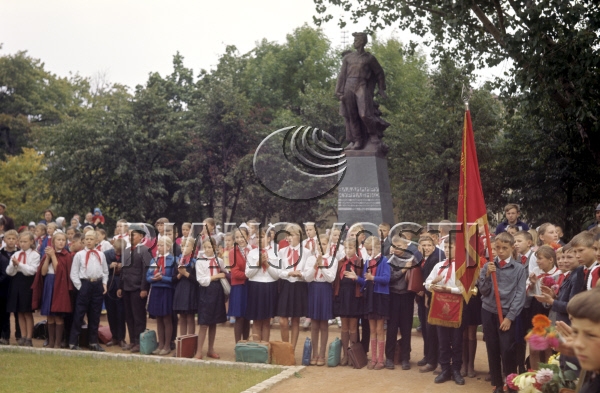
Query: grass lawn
{"x": 21, "y": 372}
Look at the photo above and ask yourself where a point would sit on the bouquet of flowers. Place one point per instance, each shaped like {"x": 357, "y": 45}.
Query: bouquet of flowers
{"x": 549, "y": 282}
{"x": 548, "y": 379}
{"x": 543, "y": 335}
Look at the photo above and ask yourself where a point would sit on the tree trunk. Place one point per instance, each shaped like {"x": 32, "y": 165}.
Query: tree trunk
{"x": 446, "y": 193}
{"x": 235, "y": 201}
{"x": 224, "y": 203}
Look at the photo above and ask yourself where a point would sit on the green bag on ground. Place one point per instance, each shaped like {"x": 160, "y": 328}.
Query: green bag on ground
{"x": 252, "y": 352}
{"x": 334, "y": 353}
{"x": 148, "y": 342}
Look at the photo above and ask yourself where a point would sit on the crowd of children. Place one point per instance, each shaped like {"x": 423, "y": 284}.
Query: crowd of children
{"x": 249, "y": 275}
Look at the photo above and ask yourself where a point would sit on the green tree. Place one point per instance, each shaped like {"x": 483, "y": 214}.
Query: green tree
{"x": 425, "y": 152}
{"x": 31, "y": 97}
{"x": 542, "y": 167}
{"x": 23, "y": 186}
{"x": 553, "y": 47}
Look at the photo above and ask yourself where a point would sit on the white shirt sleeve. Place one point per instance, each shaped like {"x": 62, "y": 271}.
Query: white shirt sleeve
{"x": 202, "y": 272}
{"x": 283, "y": 262}
{"x": 33, "y": 261}
{"x": 29, "y": 268}
{"x": 533, "y": 265}
{"x": 252, "y": 263}
{"x": 341, "y": 254}
{"x": 450, "y": 284}
{"x": 432, "y": 276}
{"x": 330, "y": 272}
{"x": 309, "y": 269}
{"x": 273, "y": 261}
{"x": 106, "y": 246}
{"x": 75, "y": 268}
{"x": 104, "y": 268}
{"x": 10, "y": 269}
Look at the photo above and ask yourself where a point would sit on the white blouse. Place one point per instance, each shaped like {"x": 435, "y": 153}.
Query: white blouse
{"x": 287, "y": 264}
{"x": 96, "y": 267}
{"x": 29, "y": 268}
{"x": 324, "y": 274}
{"x": 255, "y": 272}
{"x": 341, "y": 251}
{"x": 313, "y": 246}
{"x": 204, "y": 273}
{"x": 440, "y": 270}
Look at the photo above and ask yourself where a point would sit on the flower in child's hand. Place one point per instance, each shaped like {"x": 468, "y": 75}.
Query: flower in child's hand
{"x": 529, "y": 389}
{"x": 552, "y": 340}
{"x": 538, "y": 343}
{"x": 540, "y": 320}
{"x": 525, "y": 382}
{"x": 544, "y": 375}
{"x": 548, "y": 281}
{"x": 510, "y": 383}
{"x": 554, "y": 359}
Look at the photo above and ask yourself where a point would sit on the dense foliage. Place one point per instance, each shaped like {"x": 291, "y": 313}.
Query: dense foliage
{"x": 182, "y": 144}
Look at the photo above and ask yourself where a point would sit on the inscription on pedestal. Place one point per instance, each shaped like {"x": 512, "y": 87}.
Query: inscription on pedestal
{"x": 364, "y": 193}
{"x": 359, "y": 198}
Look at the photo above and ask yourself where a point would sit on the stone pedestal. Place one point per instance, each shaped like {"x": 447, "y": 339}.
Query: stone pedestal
{"x": 364, "y": 194}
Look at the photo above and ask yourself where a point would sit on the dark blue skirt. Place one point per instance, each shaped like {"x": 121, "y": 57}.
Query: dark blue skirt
{"x": 293, "y": 299}
{"x": 47, "y": 295}
{"x": 320, "y": 301}
{"x": 20, "y": 293}
{"x": 472, "y": 310}
{"x": 262, "y": 300}
{"x": 185, "y": 297}
{"x": 238, "y": 301}
{"x": 346, "y": 304}
{"x": 211, "y": 304}
{"x": 377, "y": 305}
{"x": 161, "y": 302}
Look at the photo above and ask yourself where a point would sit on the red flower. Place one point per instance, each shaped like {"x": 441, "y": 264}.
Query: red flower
{"x": 548, "y": 281}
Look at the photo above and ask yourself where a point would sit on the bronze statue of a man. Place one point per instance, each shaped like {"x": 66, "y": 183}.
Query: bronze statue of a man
{"x": 355, "y": 88}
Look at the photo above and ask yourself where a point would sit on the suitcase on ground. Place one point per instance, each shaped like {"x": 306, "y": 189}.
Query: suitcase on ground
{"x": 186, "y": 346}
{"x": 148, "y": 342}
{"x": 104, "y": 334}
{"x": 334, "y": 353}
{"x": 357, "y": 356}
{"x": 307, "y": 352}
{"x": 252, "y": 351}
{"x": 282, "y": 353}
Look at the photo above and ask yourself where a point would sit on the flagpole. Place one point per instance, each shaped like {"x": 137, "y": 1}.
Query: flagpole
{"x": 494, "y": 278}
{"x": 466, "y": 94}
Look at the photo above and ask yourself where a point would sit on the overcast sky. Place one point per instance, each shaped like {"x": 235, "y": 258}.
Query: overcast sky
{"x": 128, "y": 39}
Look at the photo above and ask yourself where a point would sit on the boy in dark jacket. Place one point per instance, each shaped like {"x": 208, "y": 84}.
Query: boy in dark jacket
{"x": 402, "y": 304}
{"x": 133, "y": 287}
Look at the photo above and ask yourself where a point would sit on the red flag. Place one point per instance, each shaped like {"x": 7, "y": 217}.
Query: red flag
{"x": 471, "y": 211}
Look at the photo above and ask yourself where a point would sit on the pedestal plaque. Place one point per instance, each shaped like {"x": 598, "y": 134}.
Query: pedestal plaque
{"x": 364, "y": 194}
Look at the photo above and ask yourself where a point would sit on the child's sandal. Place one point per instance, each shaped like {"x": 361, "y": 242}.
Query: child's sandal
{"x": 320, "y": 361}
{"x": 313, "y": 361}
{"x": 370, "y": 365}
{"x": 213, "y": 355}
